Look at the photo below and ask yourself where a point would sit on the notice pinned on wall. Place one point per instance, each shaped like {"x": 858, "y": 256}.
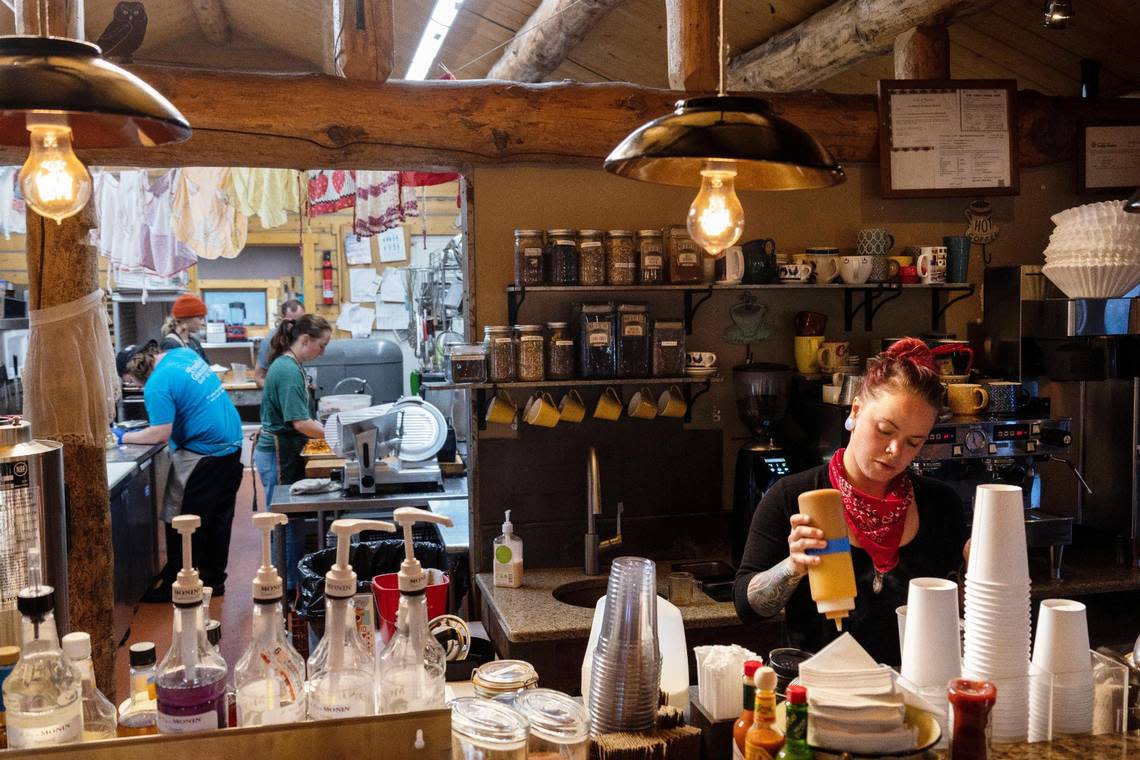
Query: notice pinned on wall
{"x": 393, "y": 246}
{"x": 364, "y": 284}
{"x": 391, "y": 316}
{"x": 356, "y": 319}
{"x": 357, "y": 250}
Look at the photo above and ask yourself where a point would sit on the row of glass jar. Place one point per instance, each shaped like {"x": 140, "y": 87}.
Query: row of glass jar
{"x": 617, "y": 257}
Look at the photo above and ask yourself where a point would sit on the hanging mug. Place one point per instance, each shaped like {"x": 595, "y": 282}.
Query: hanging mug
{"x": 501, "y": 410}
{"x": 571, "y": 408}
{"x": 609, "y": 405}
{"x": 642, "y": 406}
{"x": 672, "y": 403}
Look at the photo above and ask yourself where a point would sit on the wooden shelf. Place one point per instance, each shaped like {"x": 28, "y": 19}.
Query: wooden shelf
{"x": 575, "y": 382}
{"x": 701, "y": 286}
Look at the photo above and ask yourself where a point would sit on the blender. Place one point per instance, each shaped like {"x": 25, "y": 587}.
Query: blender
{"x": 762, "y": 402}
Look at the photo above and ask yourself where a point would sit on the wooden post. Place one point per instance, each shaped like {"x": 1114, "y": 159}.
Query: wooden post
{"x": 923, "y": 53}
{"x": 692, "y": 27}
{"x": 547, "y": 37}
{"x": 363, "y": 48}
{"x": 62, "y": 266}
{"x": 212, "y": 20}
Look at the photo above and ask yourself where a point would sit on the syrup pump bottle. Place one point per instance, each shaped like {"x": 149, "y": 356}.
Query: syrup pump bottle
{"x": 191, "y": 679}
{"x": 412, "y": 664}
{"x": 342, "y": 672}
{"x": 270, "y": 676}
{"x": 43, "y": 700}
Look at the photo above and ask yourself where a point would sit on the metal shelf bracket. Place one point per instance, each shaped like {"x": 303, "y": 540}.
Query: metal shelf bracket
{"x": 938, "y": 309}
{"x": 874, "y": 298}
{"x": 691, "y": 394}
{"x": 691, "y": 308}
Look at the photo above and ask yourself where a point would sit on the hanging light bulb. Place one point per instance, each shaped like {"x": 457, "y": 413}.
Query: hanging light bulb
{"x": 55, "y": 183}
{"x": 716, "y": 218}
{"x": 1058, "y": 14}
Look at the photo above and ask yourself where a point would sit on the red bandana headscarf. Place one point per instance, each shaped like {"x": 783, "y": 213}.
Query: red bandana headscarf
{"x": 877, "y": 523}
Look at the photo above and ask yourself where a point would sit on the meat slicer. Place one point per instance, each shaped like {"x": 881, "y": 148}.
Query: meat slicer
{"x": 388, "y": 447}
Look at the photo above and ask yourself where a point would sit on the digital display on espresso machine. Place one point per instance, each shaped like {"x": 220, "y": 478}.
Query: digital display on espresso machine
{"x": 1011, "y": 433}
{"x": 943, "y": 435}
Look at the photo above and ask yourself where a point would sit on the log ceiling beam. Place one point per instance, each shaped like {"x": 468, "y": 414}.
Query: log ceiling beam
{"x": 836, "y": 38}
{"x": 213, "y": 21}
{"x": 923, "y": 53}
{"x": 692, "y": 28}
{"x": 362, "y": 42}
{"x": 304, "y": 121}
{"x": 547, "y": 38}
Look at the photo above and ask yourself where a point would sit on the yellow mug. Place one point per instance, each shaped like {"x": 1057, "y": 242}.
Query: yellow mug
{"x": 967, "y": 398}
{"x": 501, "y": 410}
{"x": 571, "y": 408}
{"x": 672, "y": 403}
{"x": 541, "y": 411}
{"x": 807, "y": 353}
{"x": 641, "y": 405}
{"x": 609, "y": 405}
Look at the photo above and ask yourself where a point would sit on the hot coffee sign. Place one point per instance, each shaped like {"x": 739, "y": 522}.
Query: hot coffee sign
{"x": 980, "y": 227}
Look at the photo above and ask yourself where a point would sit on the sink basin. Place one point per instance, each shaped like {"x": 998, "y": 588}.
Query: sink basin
{"x": 582, "y": 593}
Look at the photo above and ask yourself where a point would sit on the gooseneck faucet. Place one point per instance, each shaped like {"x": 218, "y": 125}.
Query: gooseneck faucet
{"x": 594, "y": 507}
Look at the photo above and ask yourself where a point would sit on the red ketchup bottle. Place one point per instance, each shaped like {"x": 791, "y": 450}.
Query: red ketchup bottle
{"x": 971, "y": 702}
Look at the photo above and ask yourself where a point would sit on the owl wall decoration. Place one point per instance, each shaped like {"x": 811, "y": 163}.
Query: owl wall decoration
{"x": 124, "y": 35}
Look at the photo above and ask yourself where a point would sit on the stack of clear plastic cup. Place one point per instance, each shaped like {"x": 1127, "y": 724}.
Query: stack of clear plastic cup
{"x": 1062, "y": 689}
{"x": 997, "y": 608}
{"x": 626, "y": 670}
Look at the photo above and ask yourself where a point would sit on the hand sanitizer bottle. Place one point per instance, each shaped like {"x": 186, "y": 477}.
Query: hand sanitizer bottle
{"x": 99, "y": 716}
{"x": 191, "y": 680}
{"x": 412, "y": 664}
{"x": 342, "y": 672}
{"x": 508, "y": 557}
{"x": 270, "y": 676}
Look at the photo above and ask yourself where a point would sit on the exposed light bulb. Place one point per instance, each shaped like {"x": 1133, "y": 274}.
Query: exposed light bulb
{"x": 55, "y": 183}
{"x": 716, "y": 218}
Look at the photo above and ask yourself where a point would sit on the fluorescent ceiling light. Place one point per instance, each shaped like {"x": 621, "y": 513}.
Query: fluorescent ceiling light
{"x": 439, "y": 23}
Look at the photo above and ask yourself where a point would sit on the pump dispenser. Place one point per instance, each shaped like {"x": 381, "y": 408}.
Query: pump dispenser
{"x": 412, "y": 664}
{"x": 42, "y": 695}
{"x": 191, "y": 680}
{"x": 507, "y": 556}
{"x": 270, "y": 676}
{"x": 341, "y": 669}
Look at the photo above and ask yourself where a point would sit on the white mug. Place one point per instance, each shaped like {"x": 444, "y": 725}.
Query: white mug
{"x": 730, "y": 266}
{"x": 826, "y": 267}
{"x": 700, "y": 359}
{"x": 795, "y": 272}
{"x": 855, "y": 269}
{"x": 931, "y": 264}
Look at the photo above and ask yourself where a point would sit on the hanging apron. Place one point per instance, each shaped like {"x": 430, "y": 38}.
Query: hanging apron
{"x": 182, "y": 464}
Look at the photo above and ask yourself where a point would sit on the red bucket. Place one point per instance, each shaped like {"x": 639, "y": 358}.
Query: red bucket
{"x": 386, "y": 590}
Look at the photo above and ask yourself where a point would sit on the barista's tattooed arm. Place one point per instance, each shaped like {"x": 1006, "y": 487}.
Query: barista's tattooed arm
{"x": 770, "y": 590}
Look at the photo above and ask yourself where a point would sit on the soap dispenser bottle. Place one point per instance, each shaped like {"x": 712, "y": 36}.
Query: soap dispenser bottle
{"x": 412, "y": 664}
{"x": 342, "y": 672}
{"x": 270, "y": 676}
{"x": 508, "y": 557}
{"x": 191, "y": 680}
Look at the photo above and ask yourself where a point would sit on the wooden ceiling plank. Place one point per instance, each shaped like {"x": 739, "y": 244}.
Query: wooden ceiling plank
{"x": 834, "y": 39}
{"x": 693, "y": 28}
{"x": 363, "y": 44}
{"x": 547, "y": 38}
{"x": 1028, "y": 72}
{"x": 213, "y": 21}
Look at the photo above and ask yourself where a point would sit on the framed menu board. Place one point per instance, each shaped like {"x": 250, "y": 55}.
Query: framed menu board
{"x": 1109, "y": 157}
{"x": 947, "y": 137}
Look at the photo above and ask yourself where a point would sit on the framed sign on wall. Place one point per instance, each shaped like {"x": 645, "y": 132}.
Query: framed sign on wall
{"x": 1108, "y": 157}
{"x": 947, "y": 137}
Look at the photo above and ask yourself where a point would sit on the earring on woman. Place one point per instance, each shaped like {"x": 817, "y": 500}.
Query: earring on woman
{"x": 849, "y": 423}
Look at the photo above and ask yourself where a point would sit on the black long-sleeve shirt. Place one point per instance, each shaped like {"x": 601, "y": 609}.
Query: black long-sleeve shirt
{"x": 935, "y": 551}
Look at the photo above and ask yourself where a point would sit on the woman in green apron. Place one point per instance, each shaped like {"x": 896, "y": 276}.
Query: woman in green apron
{"x": 289, "y": 415}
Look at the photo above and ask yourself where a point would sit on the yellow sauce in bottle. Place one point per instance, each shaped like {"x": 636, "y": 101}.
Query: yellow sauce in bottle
{"x": 833, "y": 579}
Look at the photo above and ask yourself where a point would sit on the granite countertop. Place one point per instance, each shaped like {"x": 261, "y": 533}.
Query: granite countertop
{"x": 1116, "y": 746}
{"x": 531, "y": 613}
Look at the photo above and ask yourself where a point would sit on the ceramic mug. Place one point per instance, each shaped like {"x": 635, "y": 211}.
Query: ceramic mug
{"x": 908, "y": 275}
{"x": 759, "y": 261}
{"x": 795, "y": 272}
{"x": 672, "y": 403}
{"x": 931, "y": 264}
{"x": 1005, "y": 397}
{"x": 831, "y": 355}
{"x": 729, "y": 268}
{"x": 501, "y": 410}
{"x": 880, "y": 269}
{"x": 541, "y": 411}
{"x": 642, "y": 406}
{"x": 807, "y": 353}
{"x": 966, "y": 398}
{"x": 810, "y": 323}
{"x": 855, "y": 269}
{"x": 702, "y": 359}
{"x": 825, "y": 261}
{"x": 953, "y": 358}
{"x": 957, "y": 257}
{"x": 609, "y": 405}
{"x": 571, "y": 408}
{"x": 874, "y": 241}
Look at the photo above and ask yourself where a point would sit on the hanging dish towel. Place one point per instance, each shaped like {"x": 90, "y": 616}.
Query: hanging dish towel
{"x": 119, "y": 201}
{"x": 268, "y": 194}
{"x": 203, "y": 217}
{"x": 382, "y": 202}
{"x": 162, "y": 253}
{"x": 331, "y": 190}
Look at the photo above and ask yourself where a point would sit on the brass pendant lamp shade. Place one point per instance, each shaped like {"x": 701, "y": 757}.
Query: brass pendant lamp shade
{"x": 1132, "y": 205}
{"x": 105, "y": 105}
{"x": 771, "y": 153}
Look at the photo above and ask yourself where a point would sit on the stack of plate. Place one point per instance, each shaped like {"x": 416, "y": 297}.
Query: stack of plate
{"x": 1094, "y": 252}
{"x": 694, "y": 371}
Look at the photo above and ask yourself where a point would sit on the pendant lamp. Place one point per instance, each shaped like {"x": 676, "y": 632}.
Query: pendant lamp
{"x": 56, "y": 93}
{"x": 721, "y": 143}
{"x": 1132, "y": 205}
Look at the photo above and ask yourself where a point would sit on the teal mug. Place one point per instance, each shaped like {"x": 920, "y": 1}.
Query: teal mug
{"x": 760, "y": 265}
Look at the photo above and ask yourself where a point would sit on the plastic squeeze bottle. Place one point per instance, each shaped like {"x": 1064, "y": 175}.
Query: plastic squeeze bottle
{"x": 270, "y": 675}
{"x": 763, "y": 739}
{"x": 412, "y": 664}
{"x": 508, "y": 557}
{"x": 342, "y": 672}
{"x": 99, "y": 715}
{"x": 43, "y": 706}
{"x": 747, "y": 715}
{"x": 191, "y": 680}
{"x": 833, "y": 579}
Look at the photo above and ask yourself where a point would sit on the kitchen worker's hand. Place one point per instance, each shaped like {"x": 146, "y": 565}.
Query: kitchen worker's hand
{"x": 803, "y": 537}
{"x": 119, "y": 431}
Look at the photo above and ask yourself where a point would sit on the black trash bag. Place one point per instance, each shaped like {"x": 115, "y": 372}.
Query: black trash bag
{"x": 368, "y": 559}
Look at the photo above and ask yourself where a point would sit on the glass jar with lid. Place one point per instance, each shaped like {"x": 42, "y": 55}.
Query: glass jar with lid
{"x": 467, "y": 363}
{"x": 502, "y": 677}
{"x": 559, "y": 351}
{"x": 650, "y": 257}
{"x": 500, "y": 343}
{"x": 482, "y": 729}
{"x": 668, "y": 348}
{"x": 530, "y": 269}
{"x": 632, "y": 340}
{"x": 530, "y": 353}
{"x": 562, "y": 257}
{"x": 596, "y": 340}
{"x": 591, "y": 258}
{"x": 621, "y": 258}
{"x": 684, "y": 256}
{"x": 559, "y": 724}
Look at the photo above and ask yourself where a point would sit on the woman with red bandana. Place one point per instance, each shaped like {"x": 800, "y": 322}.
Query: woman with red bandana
{"x": 901, "y": 525}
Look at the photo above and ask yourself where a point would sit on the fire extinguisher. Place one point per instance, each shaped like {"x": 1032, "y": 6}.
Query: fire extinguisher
{"x": 327, "y": 279}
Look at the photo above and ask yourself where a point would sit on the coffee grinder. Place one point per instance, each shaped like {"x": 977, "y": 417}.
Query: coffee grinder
{"x": 762, "y": 403}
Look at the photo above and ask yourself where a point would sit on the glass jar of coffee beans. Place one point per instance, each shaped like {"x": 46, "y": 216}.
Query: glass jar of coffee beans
{"x": 559, "y": 351}
{"x": 591, "y": 258}
{"x": 651, "y": 257}
{"x": 530, "y": 353}
{"x": 530, "y": 269}
{"x": 562, "y": 257}
{"x": 500, "y": 343}
{"x": 621, "y": 258}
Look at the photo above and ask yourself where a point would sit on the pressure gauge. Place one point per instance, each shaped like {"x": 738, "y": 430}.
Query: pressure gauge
{"x": 975, "y": 441}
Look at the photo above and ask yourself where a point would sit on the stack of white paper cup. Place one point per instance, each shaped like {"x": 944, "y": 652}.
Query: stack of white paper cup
{"x": 1061, "y": 690}
{"x": 931, "y": 654}
{"x": 997, "y": 607}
